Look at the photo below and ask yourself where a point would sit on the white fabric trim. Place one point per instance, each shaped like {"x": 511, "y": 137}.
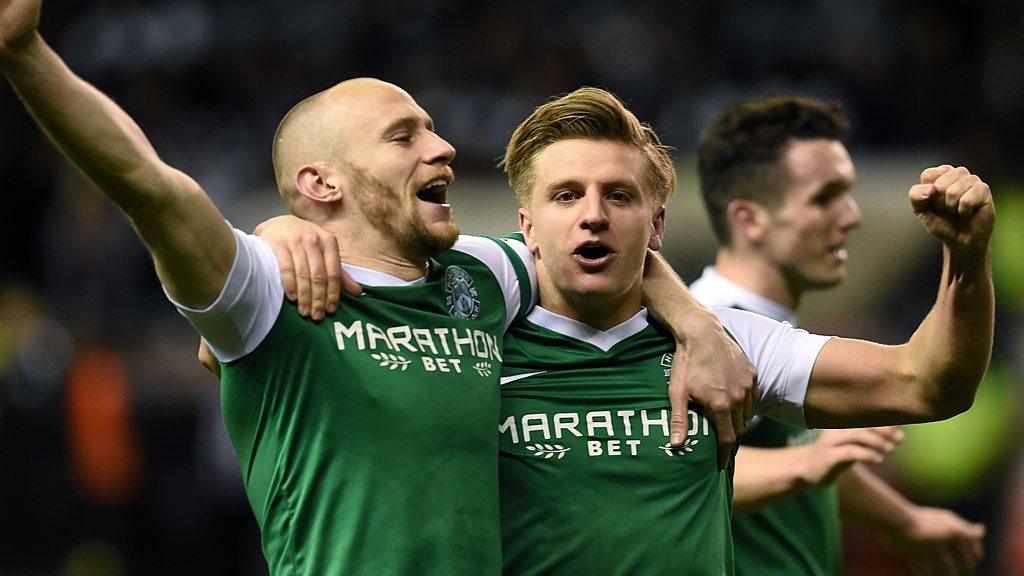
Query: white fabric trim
{"x": 529, "y": 262}
{"x": 370, "y": 277}
{"x": 783, "y": 356}
{"x": 497, "y": 260}
{"x": 603, "y": 339}
{"x": 714, "y": 289}
{"x": 248, "y": 304}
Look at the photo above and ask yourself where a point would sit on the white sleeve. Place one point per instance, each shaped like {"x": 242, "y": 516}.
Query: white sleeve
{"x": 499, "y": 261}
{"x": 248, "y": 305}
{"x": 783, "y": 356}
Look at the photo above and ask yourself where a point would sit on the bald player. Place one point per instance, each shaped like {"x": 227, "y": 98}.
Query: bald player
{"x": 367, "y": 441}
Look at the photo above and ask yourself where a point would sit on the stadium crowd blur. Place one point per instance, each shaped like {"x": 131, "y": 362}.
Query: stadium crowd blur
{"x": 113, "y": 458}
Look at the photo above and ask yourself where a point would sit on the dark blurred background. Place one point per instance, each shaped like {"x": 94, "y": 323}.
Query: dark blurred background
{"x": 113, "y": 458}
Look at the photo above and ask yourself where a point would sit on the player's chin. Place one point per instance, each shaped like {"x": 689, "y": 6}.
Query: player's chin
{"x": 443, "y": 234}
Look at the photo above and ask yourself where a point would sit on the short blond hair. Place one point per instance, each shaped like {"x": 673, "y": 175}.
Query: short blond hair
{"x": 589, "y": 113}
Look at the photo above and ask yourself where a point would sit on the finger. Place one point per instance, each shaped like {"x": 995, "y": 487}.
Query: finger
{"x": 349, "y": 285}
{"x": 726, "y": 432}
{"x": 305, "y": 294}
{"x": 891, "y": 433}
{"x": 318, "y": 279}
{"x": 739, "y": 420}
{"x": 849, "y": 454}
{"x": 335, "y": 274}
{"x": 946, "y": 180}
{"x": 921, "y": 196}
{"x": 977, "y": 542}
{"x": 955, "y": 190}
{"x": 751, "y": 401}
{"x": 969, "y": 555}
{"x": 931, "y": 174}
{"x": 679, "y": 399}
{"x": 977, "y": 196}
{"x": 948, "y": 561}
{"x": 872, "y": 439}
{"x": 207, "y": 359}
{"x": 287, "y": 267}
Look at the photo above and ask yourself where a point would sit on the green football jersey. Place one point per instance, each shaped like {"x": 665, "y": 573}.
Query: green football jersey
{"x": 801, "y": 534}
{"x": 808, "y": 523}
{"x": 366, "y": 441}
{"x": 589, "y": 484}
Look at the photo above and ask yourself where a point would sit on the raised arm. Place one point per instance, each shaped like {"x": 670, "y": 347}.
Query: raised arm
{"x": 192, "y": 246}
{"x": 708, "y": 365}
{"x": 936, "y": 374}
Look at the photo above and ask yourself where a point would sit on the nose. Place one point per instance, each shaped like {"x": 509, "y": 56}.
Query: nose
{"x": 594, "y": 216}
{"x": 852, "y": 216}
{"x": 439, "y": 150}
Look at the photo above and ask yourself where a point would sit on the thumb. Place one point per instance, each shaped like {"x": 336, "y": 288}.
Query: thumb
{"x": 921, "y": 196}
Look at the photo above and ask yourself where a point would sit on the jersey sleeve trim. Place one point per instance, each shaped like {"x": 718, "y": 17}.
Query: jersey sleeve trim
{"x": 789, "y": 405}
{"x": 783, "y": 356}
{"x": 501, "y": 261}
{"x": 525, "y": 269}
{"x": 247, "y": 306}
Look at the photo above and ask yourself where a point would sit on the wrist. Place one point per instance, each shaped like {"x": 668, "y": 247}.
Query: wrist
{"x": 689, "y": 322}
{"x": 804, "y": 474}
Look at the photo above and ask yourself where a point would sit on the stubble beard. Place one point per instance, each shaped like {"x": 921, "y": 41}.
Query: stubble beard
{"x": 388, "y": 211}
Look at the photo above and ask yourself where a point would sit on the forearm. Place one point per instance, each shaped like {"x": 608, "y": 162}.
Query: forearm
{"x": 764, "y": 476}
{"x": 667, "y": 297}
{"x": 947, "y": 356}
{"x": 866, "y": 499}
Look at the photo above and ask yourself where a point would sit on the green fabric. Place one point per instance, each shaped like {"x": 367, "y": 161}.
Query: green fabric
{"x": 366, "y": 441}
{"x": 798, "y": 535}
{"x": 588, "y": 486}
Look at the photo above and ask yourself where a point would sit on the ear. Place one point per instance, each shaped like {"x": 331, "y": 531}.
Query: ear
{"x": 318, "y": 183}
{"x": 527, "y": 228}
{"x": 748, "y": 220}
{"x": 659, "y": 230}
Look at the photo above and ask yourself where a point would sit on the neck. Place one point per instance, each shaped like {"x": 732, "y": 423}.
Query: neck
{"x": 368, "y": 248}
{"x": 598, "y": 311}
{"x": 755, "y": 273}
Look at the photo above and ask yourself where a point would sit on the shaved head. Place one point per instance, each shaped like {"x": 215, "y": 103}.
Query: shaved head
{"x": 319, "y": 129}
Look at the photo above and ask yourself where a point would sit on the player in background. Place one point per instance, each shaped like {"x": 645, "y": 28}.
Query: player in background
{"x": 338, "y": 425}
{"x": 589, "y": 482}
{"x": 777, "y": 180}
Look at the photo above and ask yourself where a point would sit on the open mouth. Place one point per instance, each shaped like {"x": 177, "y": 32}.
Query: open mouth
{"x": 435, "y": 191}
{"x": 593, "y": 256}
{"x": 839, "y": 253}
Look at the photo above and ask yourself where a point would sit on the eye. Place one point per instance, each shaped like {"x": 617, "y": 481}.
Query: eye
{"x": 402, "y": 137}
{"x": 564, "y": 197}
{"x": 618, "y": 196}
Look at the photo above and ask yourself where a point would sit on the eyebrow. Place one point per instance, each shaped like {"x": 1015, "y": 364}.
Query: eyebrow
{"x": 571, "y": 183}
{"x": 408, "y": 122}
{"x": 835, "y": 187}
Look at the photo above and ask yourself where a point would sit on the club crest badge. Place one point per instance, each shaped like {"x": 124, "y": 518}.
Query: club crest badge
{"x": 461, "y": 300}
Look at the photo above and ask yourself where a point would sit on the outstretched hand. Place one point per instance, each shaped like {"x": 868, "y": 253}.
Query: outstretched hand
{"x": 836, "y": 450}
{"x": 939, "y": 542}
{"x": 19, "y": 21}
{"x": 310, "y": 265}
{"x": 955, "y": 207}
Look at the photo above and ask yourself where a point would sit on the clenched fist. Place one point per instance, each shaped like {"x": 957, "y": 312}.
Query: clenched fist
{"x": 955, "y": 207}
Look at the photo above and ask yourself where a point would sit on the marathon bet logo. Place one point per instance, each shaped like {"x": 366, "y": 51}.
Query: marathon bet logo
{"x": 461, "y": 299}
